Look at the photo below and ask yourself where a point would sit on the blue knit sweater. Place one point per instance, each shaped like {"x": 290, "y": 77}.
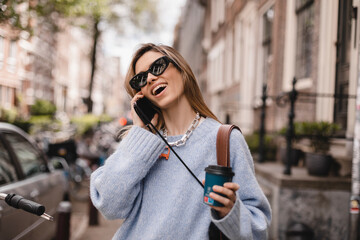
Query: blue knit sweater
{"x": 159, "y": 199}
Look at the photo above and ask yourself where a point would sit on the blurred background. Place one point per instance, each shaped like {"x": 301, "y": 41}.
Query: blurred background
{"x": 286, "y": 72}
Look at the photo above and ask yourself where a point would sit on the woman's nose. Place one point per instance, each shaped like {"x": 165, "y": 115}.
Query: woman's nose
{"x": 151, "y": 78}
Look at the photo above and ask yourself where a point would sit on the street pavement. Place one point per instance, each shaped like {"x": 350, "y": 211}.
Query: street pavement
{"x": 80, "y": 229}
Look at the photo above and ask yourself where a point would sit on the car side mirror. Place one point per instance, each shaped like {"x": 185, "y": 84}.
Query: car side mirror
{"x": 59, "y": 163}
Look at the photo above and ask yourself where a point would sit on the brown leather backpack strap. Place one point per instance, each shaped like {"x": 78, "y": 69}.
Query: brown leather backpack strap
{"x": 223, "y": 144}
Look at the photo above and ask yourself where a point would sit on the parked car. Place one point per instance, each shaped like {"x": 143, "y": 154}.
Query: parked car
{"x": 25, "y": 170}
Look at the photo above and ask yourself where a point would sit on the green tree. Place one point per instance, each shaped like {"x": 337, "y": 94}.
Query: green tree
{"x": 42, "y": 107}
{"x": 88, "y": 14}
{"x": 112, "y": 13}
{"x": 20, "y": 14}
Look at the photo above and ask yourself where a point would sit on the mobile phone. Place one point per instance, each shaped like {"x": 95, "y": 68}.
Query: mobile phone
{"x": 145, "y": 109}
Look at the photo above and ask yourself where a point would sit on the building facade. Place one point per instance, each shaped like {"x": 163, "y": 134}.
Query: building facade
{"x": 54, "y": 66}
{"x": 10, "y": 78}
{"x": 249, "y": 44}
{"x": 72, "y": 70}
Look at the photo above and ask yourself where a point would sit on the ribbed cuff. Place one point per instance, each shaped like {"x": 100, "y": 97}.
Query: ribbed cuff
{"x": 230, "y": 224}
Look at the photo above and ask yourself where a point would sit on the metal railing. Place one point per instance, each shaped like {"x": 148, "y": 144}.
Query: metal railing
{"x": 282, "y": 100}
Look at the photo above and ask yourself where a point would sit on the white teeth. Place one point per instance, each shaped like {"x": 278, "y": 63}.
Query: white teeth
{"x": 157, "y": 87}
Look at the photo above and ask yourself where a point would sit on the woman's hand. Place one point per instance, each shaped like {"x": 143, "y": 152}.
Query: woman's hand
{"x": 229, "y": 190}
{"x": 136, "y": 119}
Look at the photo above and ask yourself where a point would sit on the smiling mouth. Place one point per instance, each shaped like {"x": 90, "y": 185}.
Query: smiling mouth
{"x": 156, "y": 91}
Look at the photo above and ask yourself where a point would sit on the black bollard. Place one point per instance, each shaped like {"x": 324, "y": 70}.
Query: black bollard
{"x": 290, "y": 130}
{"x": 63, "y": 223}
{"x": 93, "y": 214}
{"x": 262, "y": 149}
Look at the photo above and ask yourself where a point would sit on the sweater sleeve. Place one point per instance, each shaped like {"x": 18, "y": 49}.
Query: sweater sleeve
{"x": 251, "y": 214}
{"x": 115, "y": 188}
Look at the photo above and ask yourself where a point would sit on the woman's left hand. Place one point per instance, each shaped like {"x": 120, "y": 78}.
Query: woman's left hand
{"x": 229, "y": 190}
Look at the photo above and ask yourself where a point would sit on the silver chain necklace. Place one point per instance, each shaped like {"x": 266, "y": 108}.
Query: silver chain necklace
{"x": 185, "y": 137}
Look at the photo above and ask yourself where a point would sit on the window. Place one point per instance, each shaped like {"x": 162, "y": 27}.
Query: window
{"x": 216, "y": 67}
{"x": 29, "y": 158}
{"x": 305, "y": 31}
{"x": 229, "y": 58}
{"x": 239, "y": 49}
{"x": 7, "y": 170}
{"x": 9, "y": 97}
{"x": 6, "y": 97}
{"x": 2, "y": 46}
{"x": 12, "y": 49}
{"x": 11, "y": 61}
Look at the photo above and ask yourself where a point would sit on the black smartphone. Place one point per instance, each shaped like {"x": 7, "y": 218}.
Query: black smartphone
{"x": 145, "y": 109}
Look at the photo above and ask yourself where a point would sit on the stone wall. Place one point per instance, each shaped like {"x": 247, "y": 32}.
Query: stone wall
{"x": 321, "y": 203}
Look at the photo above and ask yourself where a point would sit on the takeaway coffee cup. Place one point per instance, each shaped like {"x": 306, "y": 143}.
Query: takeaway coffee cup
{"x": 216, "y": 175}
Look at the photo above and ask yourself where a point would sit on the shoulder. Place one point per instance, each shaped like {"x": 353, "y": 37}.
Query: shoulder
{"x": 205, "y": 133}
{"x": 239, "y": 150}
{"x": 209, "y": 126}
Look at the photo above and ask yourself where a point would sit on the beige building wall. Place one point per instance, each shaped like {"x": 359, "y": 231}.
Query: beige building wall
{"x": 13, "y": 63}
{"x": 327, "y": 59}
{"x": 248, "y": 24}
{"x": 235, "y": 62}
{"x": 72, "y": 70}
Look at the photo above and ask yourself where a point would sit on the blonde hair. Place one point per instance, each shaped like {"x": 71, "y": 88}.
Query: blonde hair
{"x": 191, "y": 88}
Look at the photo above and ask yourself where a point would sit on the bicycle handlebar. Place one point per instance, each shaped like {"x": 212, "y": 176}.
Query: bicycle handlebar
{"x": 19, "y": 202}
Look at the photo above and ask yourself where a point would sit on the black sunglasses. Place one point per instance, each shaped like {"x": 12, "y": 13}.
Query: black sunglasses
{"x": 157, "y": 68}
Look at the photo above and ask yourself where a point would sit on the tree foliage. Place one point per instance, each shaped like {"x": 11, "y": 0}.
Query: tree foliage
{"x": 42, "y": 107}
{"x": 23, "y": 14}
{"x": 19, "y": 13}
{"x": 88, "y": 14}
{"x": 112, "y": 13}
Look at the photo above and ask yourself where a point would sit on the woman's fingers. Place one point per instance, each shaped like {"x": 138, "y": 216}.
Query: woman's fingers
{"x": 229, "y": 193}
{"x": 228, "y": 200}
{"x": 136, "y": 119}
{"x": 231, "y": 185}
{"x": 136, "y": 97}
{"x": 228, "y": 204}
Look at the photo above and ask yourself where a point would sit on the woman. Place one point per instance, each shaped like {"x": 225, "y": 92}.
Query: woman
{"x": 153, "y": 191}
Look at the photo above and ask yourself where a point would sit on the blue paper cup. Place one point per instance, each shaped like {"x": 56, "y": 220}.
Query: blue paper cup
{"x": 216, "y": 175}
